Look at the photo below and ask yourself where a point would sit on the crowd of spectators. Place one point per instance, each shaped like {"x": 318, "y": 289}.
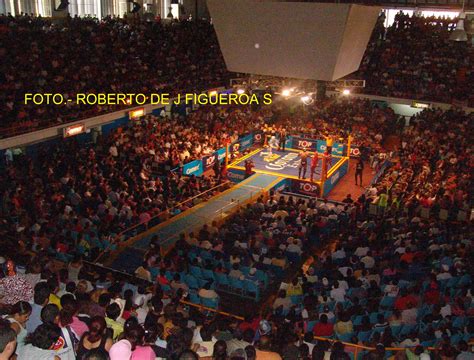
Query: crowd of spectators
{"x": 72, "y": 196}
{"x": 385, "y": 282}
{"x": 339, "y": 118}
{"x": 434, "y": 165}
{"x": 90, "y": 56}
{"x": 376, "y": 282}
{"x": 414, "y": 59}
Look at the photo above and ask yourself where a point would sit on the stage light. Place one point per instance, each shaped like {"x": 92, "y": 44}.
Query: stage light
{"x": 286, "y": 92}
{"x": 74, "y": 130}
{"x": 240, "y": 91}
{"x": 305, "y": 99}
{"x": 346, "y": 92}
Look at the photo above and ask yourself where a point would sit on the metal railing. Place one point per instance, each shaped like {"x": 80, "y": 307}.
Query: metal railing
{"x": 358, "y": 348}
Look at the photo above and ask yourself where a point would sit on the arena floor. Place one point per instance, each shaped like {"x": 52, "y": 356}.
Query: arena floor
{"x": 280, "y": 163}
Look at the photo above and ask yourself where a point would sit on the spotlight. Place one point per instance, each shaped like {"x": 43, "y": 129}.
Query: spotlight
{"x": 346, "y": 92}
{"x": 240, "y": 91}
{"x": 307, "y": 99}
{"x": 286, "y": 92}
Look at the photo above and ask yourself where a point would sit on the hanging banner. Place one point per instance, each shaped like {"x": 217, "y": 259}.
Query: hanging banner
{"x": 208, "y": 162}
{"x": 302, "y": 143}
{"x": 246, "y": 142}
{"x": 337, "y": 148}
{"x": 305, "y": 188}
{"x": 193, "y": 168}
{"x": 221, "y": 154}
{"x": 236, "y": 175}
{"x": 334, "y": 178}
{"x": 258, "y": 138}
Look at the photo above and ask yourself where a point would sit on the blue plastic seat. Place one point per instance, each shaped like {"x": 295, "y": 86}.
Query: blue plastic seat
{"x": 262, "y": 277}
{"x": 194, "y": 298}
{"x": 191, "y": 281}
{"x": 373, "y": 317}
{"x": 456, "y": 338}
{"x": 207, "y": 274}
{"x": 387, "y": 302}
{"x": 458, "y": 322}
{"x": 195, "y": 271}
{"x": 203, "y": 282}
{"x": 345, "y": 337}
{"x": 251, "y": 289}
{"x": 237, "y": 285}
{"x": 222, "y": 280}
{"x": 296, "y": 299}
{"x": 154, "y": 271}
{"x": 310, "y": 325}
{"x": 407, "y": 329}
{"x": 210, "y": 303}
{"x": 358, "y": 320}
{"x": 396, "y": 329}
{"x": 169, "y": 275}
{"x": 245, "y": 270}
{"x": 465, "y": 280}
{"x": 165, "y": 287}
{"x": 364, "y": 336}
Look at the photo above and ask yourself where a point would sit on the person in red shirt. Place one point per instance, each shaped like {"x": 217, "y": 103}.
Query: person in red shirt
{"x": 323, "y": 327}
{"x": 314, "y": 164}
{"x": 402, "y": 302}
{"x": 161, "y": 278}
{"x": 249, "y": 165}
{"x": 432, "y": 294}
{"x": 408, "y": 257}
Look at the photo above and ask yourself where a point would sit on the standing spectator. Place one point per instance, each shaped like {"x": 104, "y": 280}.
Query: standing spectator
{"x": 20, "y": 313}
{"x": 359, "y": 171}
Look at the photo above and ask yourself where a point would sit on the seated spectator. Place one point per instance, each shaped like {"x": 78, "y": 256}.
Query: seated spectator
{"x": 263, "y": 351}
{"x": 282, "y": 301}
{"x": 8, "y": 341}
{"x": 112, "y": 314}
{"x": 323, "y": 327}
{"x": 207, "y": 292}
{"x": 96, "y": 338}
{"x": 344, "y": 324}
{"x": 40, "y": 344}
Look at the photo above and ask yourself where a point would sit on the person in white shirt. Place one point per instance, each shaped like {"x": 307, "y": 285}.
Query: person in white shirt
{"x": 308, "y": 340}
{"x": 444, "y": 275}
{"x": 283, "y": 301}
{"x": 235, "y": 272}
{"x": 343, "y": 270}
{"x": 409, "y": 315}
{"x": 141, "y": 297}
{"x": 337, "y": 293}
{"x": 339, "y": 253}
{"x": 113, "y": 151}
{"x": 445, "y": 310}
{"x": 361, "y": 251}
{"x": 368, "y": 261}
{"x": 392, "y": 289}
{"x": 294, "y": 247}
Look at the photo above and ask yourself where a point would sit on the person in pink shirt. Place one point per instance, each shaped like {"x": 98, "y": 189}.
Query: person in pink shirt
{"x": 148, "y": 348}
{"x": 68, "y": 313}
